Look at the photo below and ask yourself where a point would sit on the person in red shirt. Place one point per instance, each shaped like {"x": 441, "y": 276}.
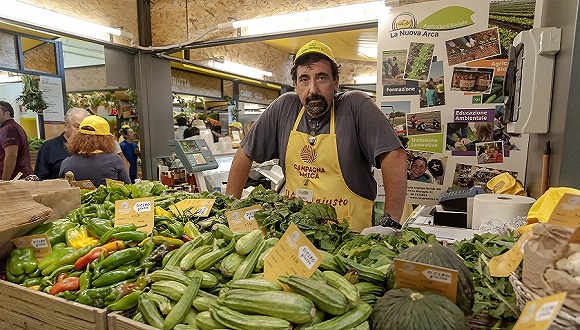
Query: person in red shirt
{"x": 14, "y": 152}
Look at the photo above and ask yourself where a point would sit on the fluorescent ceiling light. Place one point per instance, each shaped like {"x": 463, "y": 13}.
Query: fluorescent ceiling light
{"x": 240, "y": 69}
{"x": 319, "y": 18}
{"x": 35, "y": 16}
{"x": 365, "y": 80}
{"x": 368, "y": 49}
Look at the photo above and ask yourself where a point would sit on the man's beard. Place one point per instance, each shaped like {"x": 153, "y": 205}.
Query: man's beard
{"x": 316, "y": 109}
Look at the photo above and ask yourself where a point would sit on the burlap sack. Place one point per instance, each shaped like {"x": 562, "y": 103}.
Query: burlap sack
{"x": 56, "y": 194}
{"x": 540, "y": 252}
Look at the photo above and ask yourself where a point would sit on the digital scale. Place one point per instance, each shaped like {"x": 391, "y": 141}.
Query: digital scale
{"x": 195, "y": 155}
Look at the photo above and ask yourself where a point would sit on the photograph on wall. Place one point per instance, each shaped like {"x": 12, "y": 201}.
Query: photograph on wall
{"x": 419, "y": 58}
{"x": 424, "y": 122}
{"x": 495, "y": 94}
{"x": 472, "y": 80}
{"x": 473, "y": 175}
{"x": 392, "y": 72}
{"x": 490, "y": 152}
{"x": 500, "y": 132}
{"x": 470, "y": 126}
{"x": 396, "y": 112}
{"x": 425, "y": 176}
{"x": 432, "y": 92}
{"x": 472, "y": 47}
{"x": 511, "y": 17}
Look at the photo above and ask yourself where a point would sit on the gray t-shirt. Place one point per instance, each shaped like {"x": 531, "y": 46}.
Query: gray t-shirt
{"x": 362, "y": 132}
{"x": 97, "y": 168}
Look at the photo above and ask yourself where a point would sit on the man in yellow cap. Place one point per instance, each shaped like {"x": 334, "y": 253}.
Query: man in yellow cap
{"x": 327, "y": 143}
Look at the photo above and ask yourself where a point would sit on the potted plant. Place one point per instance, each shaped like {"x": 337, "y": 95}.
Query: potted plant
{"x": 31, "y": 97}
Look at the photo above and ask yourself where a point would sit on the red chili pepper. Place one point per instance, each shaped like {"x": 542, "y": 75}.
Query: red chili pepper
{"x": 67, "y": 284}
{"x": 93, "y": 254}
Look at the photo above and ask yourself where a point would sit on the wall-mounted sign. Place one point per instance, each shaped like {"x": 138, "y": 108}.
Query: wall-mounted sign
{"x": 257, "y": 94}
{"x": 196, "y": 84}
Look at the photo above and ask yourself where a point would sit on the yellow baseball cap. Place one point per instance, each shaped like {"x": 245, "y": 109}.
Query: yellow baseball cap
{"x": 95, "y": 125}
{"x": 315, "y": 46}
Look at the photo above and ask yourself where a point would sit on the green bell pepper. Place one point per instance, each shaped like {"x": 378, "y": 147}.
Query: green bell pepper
{"x": 21, "y": 263}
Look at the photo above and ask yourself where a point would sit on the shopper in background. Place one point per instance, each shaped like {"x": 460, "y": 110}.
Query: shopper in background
{"x": 93, "y": 154}
{"x": 53, "y": 151}
{"x": 14, "y": 152}
{"x": 191, "y": 133}
{"x": 327, "y": 142}
{"x": 215, "y": 127}
{"x": 130, "y": 150}
{"x": 182, "y": 126}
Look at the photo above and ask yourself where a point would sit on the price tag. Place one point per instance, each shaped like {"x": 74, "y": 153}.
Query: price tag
{"x": 294, "y": 254}
{"x": 423, "y": 277}
{"x": 39, "y": 243}
{"x": 198, "y": 207}
{"x": 84, "y": 184}
{"x": 138, "y": 211}
{"x": 242, "y": 220}
{"x": 504, "y": 264}
{"x": 538, "y": 314}
{"x": 117, "y": 182}
{"x": 567, "y": 212}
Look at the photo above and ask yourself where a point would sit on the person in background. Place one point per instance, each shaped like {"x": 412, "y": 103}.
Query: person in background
{"x": 191, "y": 133}
{"x": 481, "y": 155}
{"x": 215, "y": 127}
{"x": 14, "y": 152}
{"x": 458, "y": 131}
{"x": 418, "y": 169}
{"x": 327, "y": 143}
{"x": 130, "y": 150}
{"x": 93, "y": 154}
{"x": 182, "y": 126}
{"x": 53, "y": 151}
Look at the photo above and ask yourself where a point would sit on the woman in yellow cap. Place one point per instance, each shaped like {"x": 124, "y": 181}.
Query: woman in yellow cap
{"x": 93, "y": 154}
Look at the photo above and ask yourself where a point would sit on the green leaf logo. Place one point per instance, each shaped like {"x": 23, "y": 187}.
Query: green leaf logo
{"x": 448, "y": 18}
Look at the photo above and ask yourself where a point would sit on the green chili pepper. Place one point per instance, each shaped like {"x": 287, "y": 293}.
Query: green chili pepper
{"x": 85, "y": 280}
{"x": 55, "y": 231}
{"x": 61, "y": 269}
{"x": 133, "y": 236}
{"x": 166, "y": 226}
{"x": 115, "y": 275}
{"x": 95, "y": 296}
{"x": 167, "y": 257}
{"x": 98, "y": 227}
{"x": 148, "y": 248}
{"x": 102, "y": 212}
{"x": 117, "y": 259}
{"x": 73, "y": 256}
{"x": 47, "y": 264}
{"x": 68, "y": 295}
{"x": 32, "y": 281}
{"x": 109, "y": 234}
{"x": 110, "y": 206}
{"x": 127, "y": 302}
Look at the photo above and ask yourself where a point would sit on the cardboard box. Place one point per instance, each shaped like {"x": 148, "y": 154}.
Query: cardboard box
{"x": 23, "y": 308}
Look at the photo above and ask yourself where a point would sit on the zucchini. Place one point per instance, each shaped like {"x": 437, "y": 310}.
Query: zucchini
{"x": 255, "y": 284}
{"x": 170, "y": 289}
{"x": 208, "y": 279}
{"x": 205, "y": 321}
{"x": 328, "y": 262}
{"x": 347, "y": 320}
{"x": 235, "y": 320}
{"x": 170, "y": 274}
{"x": 281, "y": 304}
{"x": 189, "y": 318}
{"x": 324, "y": 297}
{"x": 340, "y": 283}
{"x": 206, "y": 261}
{"x": 202, "y": 304}
{"x": 317, "y": 318}
{"x": 230, "y": 264}
{"x": 162, "y": 302}
{"x": 189, "y": 260}
{"x": 178, "y": 312}
{"x": 365, "y": 273}
{"x": 149, "y": 311}
{"x": 260, "y": 264}
{"x": 183, "y": 251}
{"x": 219, "y": 230}
{"x": 363, "y": 326}
{"x": 270, "y": 242}
{"x": 249, "y": 263}
{"x": 365, "y": 288}
{"x": 248, "y": 242}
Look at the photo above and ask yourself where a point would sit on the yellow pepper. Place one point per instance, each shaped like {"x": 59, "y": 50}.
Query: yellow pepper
{"x": 162, "y": 212}
{"x": 78, "y": 237}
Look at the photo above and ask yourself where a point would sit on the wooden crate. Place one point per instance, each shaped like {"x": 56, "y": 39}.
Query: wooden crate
{"x": 119, "y": 322}
{"x": 22, "y": 308}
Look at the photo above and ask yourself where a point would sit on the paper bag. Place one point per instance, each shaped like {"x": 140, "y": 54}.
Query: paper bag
{"x": 560, "y": 276}
{"x": 540, "y": 251}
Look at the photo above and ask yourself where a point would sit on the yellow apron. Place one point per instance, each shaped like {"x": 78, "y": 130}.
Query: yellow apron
{"x": 313, "y": 174}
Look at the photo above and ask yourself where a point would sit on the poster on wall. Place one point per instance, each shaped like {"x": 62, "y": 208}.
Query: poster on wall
{"x": 445, "y": 61}
{"x": 51, "y": 88}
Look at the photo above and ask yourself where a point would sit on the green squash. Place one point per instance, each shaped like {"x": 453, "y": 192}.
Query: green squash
{"x": 438, "y": 255}
{"x": 408, "y": 309}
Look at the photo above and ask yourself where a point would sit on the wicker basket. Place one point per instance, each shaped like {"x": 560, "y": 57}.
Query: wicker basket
{"x": 565, "y": 318}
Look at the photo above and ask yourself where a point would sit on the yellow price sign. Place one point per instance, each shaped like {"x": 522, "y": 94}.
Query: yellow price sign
{"x": 39, "y": 243}
{"x": 567, "y": 212}
{"x": 424, "y": 277}
{"x": 199, "y": 207}
{"x": 504, "y": 264}
{"x": 242, "y": 220}
{"x": 84, "y": 184}
{"x": 294, "y": 254}
{"x": 138, "y": 211}
{"x": 538, "y": 314}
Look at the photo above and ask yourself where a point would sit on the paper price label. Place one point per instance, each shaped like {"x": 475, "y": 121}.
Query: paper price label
{"x": 138, "y": 211}
{"x": 107, "y": 181}
{"x": 423, "y": 277}
{"x": 567, "y": 212}
{"x": 198, "y": 207}
{"x": 294, "y": 254}
{"x": 504, "y": 264}
{"x": 538, "y": 314}
{"x": 39, "y": 243}
{"x": 243, "y": 220}
{"x": 84, "y": 184}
